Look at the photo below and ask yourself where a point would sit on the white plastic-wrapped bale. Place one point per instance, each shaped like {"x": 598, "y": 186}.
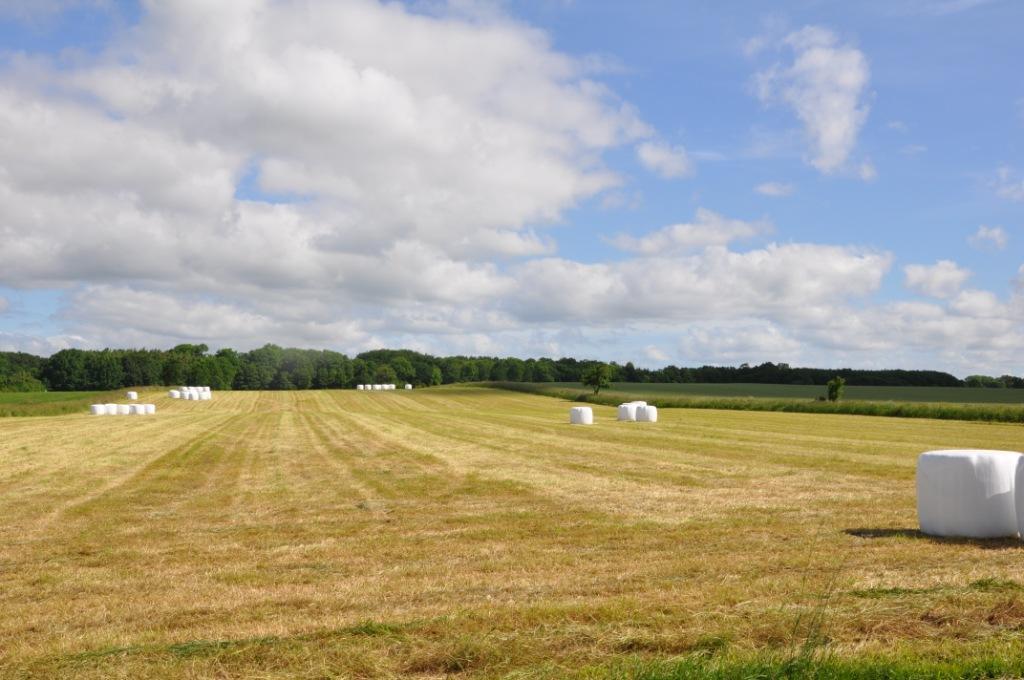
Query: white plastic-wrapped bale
{"x": 408, "y": 386}
{"x": 1018, "y": 495}
{"x": 647, "y": 414}
{"x": 627, "y": 412}
{"x": 137, "y": 409}
{"x": 111, "y": 409}
{"x": 174, "y": 394}
{"x": 581, "y": 415}
{"x": 123, "y": 409}
{"x": 967, "y": 493}
{"x": 98, "y": 410}
{"x": 132, "y": 395}
{"x": 150, "y": 409}
{"x": 638, "y": 403}
{"x": 377, "y": 388}
{"x": 359, "y": 387}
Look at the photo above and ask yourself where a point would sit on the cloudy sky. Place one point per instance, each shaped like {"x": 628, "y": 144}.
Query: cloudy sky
{"x": 663, "y": 182}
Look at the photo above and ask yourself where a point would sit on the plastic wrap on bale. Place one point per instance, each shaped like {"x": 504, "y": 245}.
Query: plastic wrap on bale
{"x": 967, "y": 493}
{"x": 581, "y": 415}
{"x": 647, "y": 414}
{"x": 627, "y": 412}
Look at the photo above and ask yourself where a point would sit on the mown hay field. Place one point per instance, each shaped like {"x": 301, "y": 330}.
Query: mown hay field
{"x": 472, "y": 532}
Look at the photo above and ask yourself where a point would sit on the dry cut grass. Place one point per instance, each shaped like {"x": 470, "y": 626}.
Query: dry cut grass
{"x": 473, "y": 532}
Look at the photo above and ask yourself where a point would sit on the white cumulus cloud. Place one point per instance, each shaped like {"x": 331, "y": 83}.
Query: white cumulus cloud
{"x": 708, "y": 229}
{"x": 775, "y": 189}
{"x": 824, "y": 85}
{"x": 667, "y": 161}
{"x": 993, "y": 238}
{"x": 944, "y": 279}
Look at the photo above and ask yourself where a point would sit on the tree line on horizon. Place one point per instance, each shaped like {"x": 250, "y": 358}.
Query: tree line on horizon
{"x": 278, "y": 368}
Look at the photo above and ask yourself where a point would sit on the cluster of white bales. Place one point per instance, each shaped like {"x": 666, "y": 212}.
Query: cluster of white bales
{"x": 381, "y": 388}
{"x": 123, "y": 409}
{"x": 971, "y": 493}
{"x": 631, "y": 411}
{"x": 193, "y": 393}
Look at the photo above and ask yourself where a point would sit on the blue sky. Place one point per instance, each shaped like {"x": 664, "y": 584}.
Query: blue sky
{"x": 700, "y": 182}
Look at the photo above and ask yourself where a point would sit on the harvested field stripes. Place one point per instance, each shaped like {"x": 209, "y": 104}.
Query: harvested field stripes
{"x": 473, "y": 530}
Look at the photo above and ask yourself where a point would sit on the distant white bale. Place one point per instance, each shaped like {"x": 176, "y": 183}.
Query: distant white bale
{"x": 187, "y": 396}
{"x": 360, "y": 387}
{"x": 123, "y": 409}
{"x": 137, "y": 409}
{"x": 408, "y": 386}
{"x": 967, "y": 493}
{"x": 132, "y": 395}
{"x": 637, "y": 403}
{"x": 205, "y": 396}
{"x": 206, "y": 388}
{"x": 581, "y": 415}
{"x": 627, "y": 412}
{"x": 647, "y": 414}
{"x": 98, "y": 410}
{"x": 150, "y": 409}
{"x": 377, "y": 388}
{"x": 111, "y": 409}
{"x": 174, "y": 394}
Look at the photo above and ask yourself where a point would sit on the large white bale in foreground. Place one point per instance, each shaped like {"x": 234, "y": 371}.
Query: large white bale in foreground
{"x": 967, "y": 493}
{"x": 647, "y": 414}
{"x": 150, "y": 409}
{"x": 581, "y": 415}
{"x": 124, "y": 409}
{"x": 627, "y": 412}
{"x": 132, "y": 395}
{"x": 111, "y": 409}
{"x": 98, "y": 410}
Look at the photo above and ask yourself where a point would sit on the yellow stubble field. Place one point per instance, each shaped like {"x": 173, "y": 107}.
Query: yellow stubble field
{"x": 467, "y": 531}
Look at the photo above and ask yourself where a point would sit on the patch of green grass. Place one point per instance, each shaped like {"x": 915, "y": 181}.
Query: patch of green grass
{"x": 704, "y": 667}
{"x": 52, "y": 403}
{"x": 990, "y": 412}
{"x": 880, "y": 593}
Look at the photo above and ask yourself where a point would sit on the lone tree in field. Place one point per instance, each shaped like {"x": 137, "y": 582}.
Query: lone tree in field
{"x": 597, "y": 376}
{"x": 835, "y": 387}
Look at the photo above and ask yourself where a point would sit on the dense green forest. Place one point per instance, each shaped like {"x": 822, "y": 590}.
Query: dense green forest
{"x": 278, "y": 368}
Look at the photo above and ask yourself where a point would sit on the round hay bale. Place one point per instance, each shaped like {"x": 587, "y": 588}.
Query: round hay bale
{"x": 408, "y": 386}
{"x": 98, "y": 410}
{"x": 132, "y": 395}
{"x": 581, "y": 415}
{"x": 968, "y": 493}
{"x": 111, "y": 409}
{"x": 174, "y": 394}
{"x": 627, "y": 412}
{"x": 123, "y": 409}
{"x": 150, "y": 409}
{"x": 647, "y": 414}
